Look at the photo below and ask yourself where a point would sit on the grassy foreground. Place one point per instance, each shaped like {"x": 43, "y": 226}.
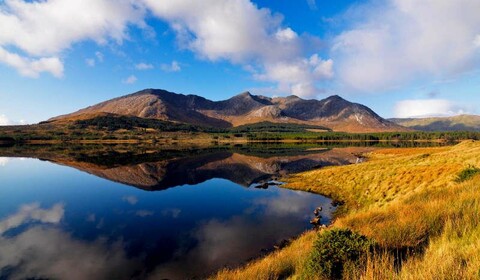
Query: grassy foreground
{"x": 421, "y": 206}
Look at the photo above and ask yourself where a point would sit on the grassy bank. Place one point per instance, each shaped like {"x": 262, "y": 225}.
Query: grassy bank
{"x": 419, "y": 205}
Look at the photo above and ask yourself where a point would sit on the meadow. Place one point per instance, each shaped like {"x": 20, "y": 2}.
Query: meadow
{"x": 417, "y": 207}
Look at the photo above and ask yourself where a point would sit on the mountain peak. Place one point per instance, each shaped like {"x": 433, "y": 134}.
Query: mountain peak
{"x": 245, "y": 108}
{"x": 245, "y": 94}
{"x": 335, "y": 97}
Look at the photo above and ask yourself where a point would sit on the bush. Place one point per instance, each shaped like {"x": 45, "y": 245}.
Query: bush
{"x": 467, "y": 173}
{"x": 333, "y": 250}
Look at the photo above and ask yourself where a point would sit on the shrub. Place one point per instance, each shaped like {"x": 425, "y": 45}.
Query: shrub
{"x": 467, "y": 173}
{"x": 334, "y": 250}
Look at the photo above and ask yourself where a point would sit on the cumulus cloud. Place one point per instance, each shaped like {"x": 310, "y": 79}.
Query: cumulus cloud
{"x": 143, "y": 66}
{"x": 4, "y": 120}
{"x": 240, "y": 32}
{"x": 43, "y": 252}
{"x": 41, "y": 30}
{"x": 31, "y": 67}
{"x": 33, "y": 212}
{"x": 131, "y": 199}
{"x": 401, "y": 41}
{"x": 130, "y": 80}
{"x": 174, "y": 66}
{"x": 427, "y": 108}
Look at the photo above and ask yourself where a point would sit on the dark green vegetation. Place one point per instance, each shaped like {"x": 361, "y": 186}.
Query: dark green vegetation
{"x": 276, "y": 127}
{"x": 334, "y": 250}
{"x": 125, "y": 128}
{"x": 113, "y": 123}
{"x": 467, "y": 174}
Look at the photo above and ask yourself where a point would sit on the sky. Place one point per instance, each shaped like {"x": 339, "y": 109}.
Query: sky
{"x": 401, "y": 58}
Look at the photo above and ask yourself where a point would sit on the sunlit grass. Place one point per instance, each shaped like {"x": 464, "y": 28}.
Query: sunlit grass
{"x": 403, "y": 199}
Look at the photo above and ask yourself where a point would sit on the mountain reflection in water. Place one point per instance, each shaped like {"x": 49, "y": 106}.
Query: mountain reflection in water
{"x": 57, "y": 222}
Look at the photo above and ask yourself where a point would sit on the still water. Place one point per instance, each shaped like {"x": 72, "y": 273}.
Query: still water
{"x": 85, "y": 216}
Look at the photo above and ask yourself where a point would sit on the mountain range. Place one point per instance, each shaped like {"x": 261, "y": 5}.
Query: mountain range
{"x": 163, "y": 169}
{"x": 333, "y": 112}
{"x": 455, "y": 123}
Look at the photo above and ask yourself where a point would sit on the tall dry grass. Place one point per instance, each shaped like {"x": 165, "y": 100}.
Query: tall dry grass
{"x": 402, "y": 198}
{"x": 278, "y": 265}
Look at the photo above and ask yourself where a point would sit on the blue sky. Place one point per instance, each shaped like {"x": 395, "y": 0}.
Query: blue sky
{"x": 400, "y": 57}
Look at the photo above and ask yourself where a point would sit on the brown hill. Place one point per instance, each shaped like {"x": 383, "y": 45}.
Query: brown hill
{"x": 454, "y": 123}
{"x": 333, "y": 112}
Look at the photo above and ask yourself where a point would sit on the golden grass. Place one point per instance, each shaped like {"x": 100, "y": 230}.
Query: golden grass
{"x": 278, "y": 265}
{"x": 401, "y": 198}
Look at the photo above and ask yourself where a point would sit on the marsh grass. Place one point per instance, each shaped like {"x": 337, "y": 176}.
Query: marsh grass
{"x": 425, "y": 221}
{"x": 467, "y": 173}
{"x": 277, "y": 265}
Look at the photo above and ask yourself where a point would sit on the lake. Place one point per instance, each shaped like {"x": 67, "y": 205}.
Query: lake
{"x": 120, "y": 212}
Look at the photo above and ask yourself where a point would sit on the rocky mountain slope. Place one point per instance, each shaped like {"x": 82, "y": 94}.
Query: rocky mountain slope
{"x": 333, "y": 112}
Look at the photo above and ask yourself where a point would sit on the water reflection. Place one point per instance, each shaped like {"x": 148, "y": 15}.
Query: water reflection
{"x": 166, "y": 168}
{"x": 63, "y": 223}
{"x": 3, "y": 161}
{"x": 43, "y": 250}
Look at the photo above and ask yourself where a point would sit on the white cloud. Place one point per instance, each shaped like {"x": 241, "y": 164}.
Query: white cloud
{"x": 41, "y": 30}
{"x": 401, "y": 41}
{"x": 298, "y": 77}
{"x": 90, "y": 62}
{"x": 427, "y": 108}
{"x": 48, "y": 252}
{"x": 130, "y": 80}
{"x": 4, "y": 120}
{"x": 241, "y": 33}
{"x": 4, "y": 161}
{"x": 99, "y": 56}
{"x": 143, "y": 66}
{"x": 286, "y": 35}
{"x": 32, "y": 212}
{"x": 174, "y": 66}
{"x": 476, "y": 42}
{"x": 312, "y": 4}
{"x": 172, "y": 212}
{"x": 144, "y": 213}
{"x": 131, "y": 199}
{"x": 31, "y": 67}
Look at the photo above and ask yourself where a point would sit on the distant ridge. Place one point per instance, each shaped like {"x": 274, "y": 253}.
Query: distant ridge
{"x": 455, "y": 123}
{"x": 333, "y": 112}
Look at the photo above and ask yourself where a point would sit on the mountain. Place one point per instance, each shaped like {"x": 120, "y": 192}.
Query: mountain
{"x": 455, "y": 123}
{"x": 333, "y": 112}
{"x": 163, "y": 169}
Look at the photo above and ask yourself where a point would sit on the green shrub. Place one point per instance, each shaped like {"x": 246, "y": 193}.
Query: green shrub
{"x": 467, "y": 173}
{"x": 334, "y": 250}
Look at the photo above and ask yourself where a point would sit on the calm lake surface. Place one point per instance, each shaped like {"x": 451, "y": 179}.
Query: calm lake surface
{"x": 112, "y": 213}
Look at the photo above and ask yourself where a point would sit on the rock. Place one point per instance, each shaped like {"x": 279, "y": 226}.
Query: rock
{"x": 263, "y": 186}
{"x": 282, "y": 244}
{"x": 316, "y": 221}
{"x": 336, "y": 203}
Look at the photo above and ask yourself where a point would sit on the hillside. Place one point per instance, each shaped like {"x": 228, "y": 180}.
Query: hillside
{"x": 419, "y": 206}
{"x": 333, "y": 112}
{"x": 455, "y": 123}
